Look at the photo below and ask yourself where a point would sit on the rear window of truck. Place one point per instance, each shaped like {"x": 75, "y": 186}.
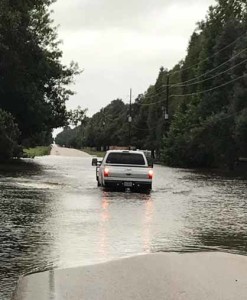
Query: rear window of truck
{"x": 125, "y": 159}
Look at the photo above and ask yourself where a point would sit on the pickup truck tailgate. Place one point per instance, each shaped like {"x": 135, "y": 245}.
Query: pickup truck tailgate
{"x": 127, "y": 172}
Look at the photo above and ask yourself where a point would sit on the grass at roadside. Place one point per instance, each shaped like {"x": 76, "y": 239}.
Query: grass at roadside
{"x": 37, "y": 151}
{"x": 94, "y": 153}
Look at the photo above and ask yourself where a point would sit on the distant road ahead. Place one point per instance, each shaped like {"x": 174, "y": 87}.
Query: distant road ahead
{"x": 61, "y": 151}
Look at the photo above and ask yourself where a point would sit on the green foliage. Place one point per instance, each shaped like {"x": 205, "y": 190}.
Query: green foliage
{"x": 105, "y": 128}
{"x": 185, "y": 145}
{"x": 34, "y": 85}
{"x": 37, "y": 151}
{"x": 241, "y": 133}
{"x": 9, "y": 134}
{"x": 71, "y": 137}
{"x": 109, "y": 126}
{"x": 94, "y": 153}
{"x": 218, "y": 136}
{"x": 76, "y": 116}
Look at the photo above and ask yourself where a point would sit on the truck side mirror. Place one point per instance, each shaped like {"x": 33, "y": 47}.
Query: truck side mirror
{"x": 94, "y": 162}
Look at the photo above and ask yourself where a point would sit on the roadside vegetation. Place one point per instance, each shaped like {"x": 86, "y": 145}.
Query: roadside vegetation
{"x": 204, "y": 96}
{"x": 94, "y": 153}
{"x": 9, "y": 134}
{"x": 37, "y": 151}
{"x": 34, "y": 87}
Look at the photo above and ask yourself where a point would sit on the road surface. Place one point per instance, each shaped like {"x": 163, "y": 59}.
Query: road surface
{"x": 53, "y": 215}
{"x": 62, "y": 151}
{"x": 168, "y": 276}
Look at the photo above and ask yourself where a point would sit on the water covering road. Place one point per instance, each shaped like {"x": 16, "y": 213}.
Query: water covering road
{"x": 53, "y": 215}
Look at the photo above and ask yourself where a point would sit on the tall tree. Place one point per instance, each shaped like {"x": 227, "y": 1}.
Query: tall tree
{"x": 33, "y": 81}
{"x": 209, "y": 134}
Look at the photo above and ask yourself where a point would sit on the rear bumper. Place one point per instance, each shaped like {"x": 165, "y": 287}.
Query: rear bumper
{"x": 135, "y": 184}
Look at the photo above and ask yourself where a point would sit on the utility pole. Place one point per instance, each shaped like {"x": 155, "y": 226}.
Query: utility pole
{"x": 130, "y": 119}
{"x": 103, "y": 125}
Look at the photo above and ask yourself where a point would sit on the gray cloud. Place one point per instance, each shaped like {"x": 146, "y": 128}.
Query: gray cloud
{"x": 99, "y": 14}
{"x": 122, "y": 44}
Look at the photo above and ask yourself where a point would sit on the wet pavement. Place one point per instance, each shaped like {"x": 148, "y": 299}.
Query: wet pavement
{"x": 53, "y": 215}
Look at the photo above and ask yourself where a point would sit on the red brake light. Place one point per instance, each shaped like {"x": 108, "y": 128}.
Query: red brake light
{"x": 106, "y": 172}
{"x": 150, "y": 174}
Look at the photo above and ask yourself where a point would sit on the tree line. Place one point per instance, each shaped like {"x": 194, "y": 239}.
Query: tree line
{"x": 33, "y": 80}
{"x": 203, "y": 96}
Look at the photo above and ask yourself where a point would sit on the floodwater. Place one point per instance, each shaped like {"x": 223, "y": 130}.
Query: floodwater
{"x": 53, "y": 215}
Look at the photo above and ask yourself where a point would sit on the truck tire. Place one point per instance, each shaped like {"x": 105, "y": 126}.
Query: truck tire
{"x": 147, "y": 188}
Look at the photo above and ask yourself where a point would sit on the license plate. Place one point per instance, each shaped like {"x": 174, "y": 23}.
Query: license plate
{"x": 128, "y": 184}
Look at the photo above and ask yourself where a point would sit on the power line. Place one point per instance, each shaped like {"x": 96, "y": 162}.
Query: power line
{"x": 212, "y": 89}
{"x": 187, "y": 68}
{"x": 180, "y": 84}
{"x": 212, "y": 77}
{"x": 190, "y": 82}
{"x": 206, "y": 59}
{"x": 215, "y": 121}
{"x": 210, "y": 71}
{"x": 154, "y": 95}
{"x": 196, "y": 93}
{"x": 183, "y": 84}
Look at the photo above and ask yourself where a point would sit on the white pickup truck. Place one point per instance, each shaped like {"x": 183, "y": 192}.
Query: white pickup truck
{"x": 124, "y": 169}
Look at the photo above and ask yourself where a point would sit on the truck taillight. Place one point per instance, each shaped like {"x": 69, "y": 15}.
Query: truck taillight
{"x": 106, "y": 172}
{"x": 150, "y": 174}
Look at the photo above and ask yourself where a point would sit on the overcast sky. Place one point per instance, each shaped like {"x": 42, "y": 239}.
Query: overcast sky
{"x": 122, "y": 44}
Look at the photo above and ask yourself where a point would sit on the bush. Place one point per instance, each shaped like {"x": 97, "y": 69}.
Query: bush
{"x": 37, "y": 151}
{"x": 9, "y": 134}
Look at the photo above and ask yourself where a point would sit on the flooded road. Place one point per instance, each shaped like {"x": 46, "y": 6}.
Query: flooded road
{"x": 53, "y": 215}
